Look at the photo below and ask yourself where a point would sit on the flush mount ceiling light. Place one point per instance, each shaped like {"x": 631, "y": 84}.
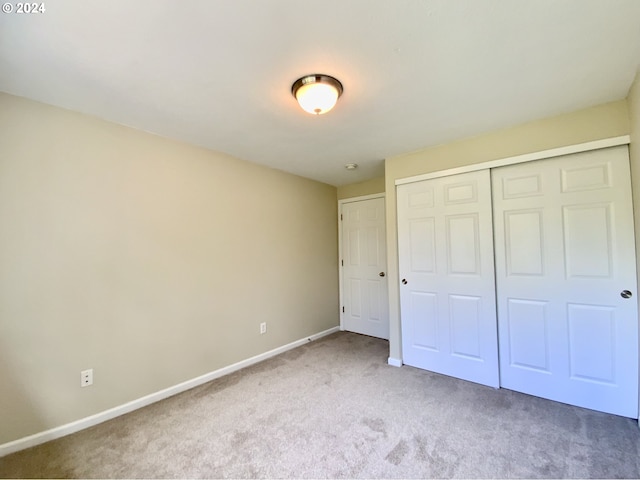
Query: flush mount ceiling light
{"x": 351, "y": 166}
{"x": 317, "y": 93}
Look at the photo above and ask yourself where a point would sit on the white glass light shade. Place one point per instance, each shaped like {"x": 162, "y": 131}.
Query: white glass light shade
{"x": 317, "y": 94}
{"x": 317, "y": 98}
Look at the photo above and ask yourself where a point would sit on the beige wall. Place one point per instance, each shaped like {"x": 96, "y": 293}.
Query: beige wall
{"x": 148, "y": 260}
{"x": 370, "y": 187}
{"x": 604, "y": 121}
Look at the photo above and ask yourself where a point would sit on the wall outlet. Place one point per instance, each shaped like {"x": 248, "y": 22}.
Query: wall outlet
{"x": 263, "y": 328}
{"x": 86, "y": 377}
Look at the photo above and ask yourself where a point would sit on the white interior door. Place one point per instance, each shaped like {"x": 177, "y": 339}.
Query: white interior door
{"x": 364, "y": 268}
{"x": 564, "y": 253}
{"x": 447, "y": 290}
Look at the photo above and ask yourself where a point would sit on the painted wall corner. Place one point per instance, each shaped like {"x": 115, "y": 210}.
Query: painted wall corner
{"x": 368, "y": 187}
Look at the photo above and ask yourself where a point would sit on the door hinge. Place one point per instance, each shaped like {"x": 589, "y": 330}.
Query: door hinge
{"x": 340, "y": 216}
{"x": 342, "y": 262}
{"x": 342, "y": 309}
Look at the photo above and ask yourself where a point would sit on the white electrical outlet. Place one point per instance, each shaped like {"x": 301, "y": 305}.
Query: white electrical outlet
{"x": 86, "y": 377}
{"x": 263, "y": 328}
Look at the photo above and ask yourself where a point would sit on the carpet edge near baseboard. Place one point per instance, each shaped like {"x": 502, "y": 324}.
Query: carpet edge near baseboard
{"x": 86, "y": 422}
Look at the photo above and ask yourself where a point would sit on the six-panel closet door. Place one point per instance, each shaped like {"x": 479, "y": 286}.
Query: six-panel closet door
{"x": 565, "y": 260}
{"x": 564, "y": 278}
{"x": 447, "y": 291}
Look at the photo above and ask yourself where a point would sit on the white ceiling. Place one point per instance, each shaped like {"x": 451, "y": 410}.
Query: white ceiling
{"x": 218, "y": 73}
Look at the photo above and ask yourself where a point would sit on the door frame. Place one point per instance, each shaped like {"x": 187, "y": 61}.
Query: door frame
{"x": 340, "y": 237}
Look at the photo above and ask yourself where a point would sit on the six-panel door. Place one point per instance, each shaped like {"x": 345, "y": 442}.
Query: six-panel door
{"x": 446, "y": 265}
{"x": 565, "y": 278}
{"x": 364, "y": 289}
{"x": 564, "y": 254}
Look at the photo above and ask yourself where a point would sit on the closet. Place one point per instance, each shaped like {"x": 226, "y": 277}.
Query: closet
{"x": 523, "y": 277}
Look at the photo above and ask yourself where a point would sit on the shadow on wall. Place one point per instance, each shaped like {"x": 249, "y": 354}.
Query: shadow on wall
{"x": 15, "y": 403}
{"x": 19, "y": 412}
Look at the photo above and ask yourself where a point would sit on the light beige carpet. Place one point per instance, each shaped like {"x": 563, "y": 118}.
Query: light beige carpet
{"x": 335, "y": 409}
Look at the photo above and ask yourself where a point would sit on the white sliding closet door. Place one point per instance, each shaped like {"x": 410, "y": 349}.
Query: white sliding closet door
{"x": 447, "y": 291}
{"x": 564, "y": 258}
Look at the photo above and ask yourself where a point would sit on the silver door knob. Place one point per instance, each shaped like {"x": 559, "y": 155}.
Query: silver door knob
{"x": 626, "y": 294}
{"x": 381, "y": 274}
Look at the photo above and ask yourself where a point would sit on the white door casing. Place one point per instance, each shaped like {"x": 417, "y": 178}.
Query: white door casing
{"x": 447, "y": 290}
{"x": 565, "y": 251}
{"x": 365, "y": 301}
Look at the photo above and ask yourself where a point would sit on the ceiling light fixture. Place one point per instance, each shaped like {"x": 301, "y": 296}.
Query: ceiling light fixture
{"x": 317, "y": 93}
{"x": 351, "y": 166}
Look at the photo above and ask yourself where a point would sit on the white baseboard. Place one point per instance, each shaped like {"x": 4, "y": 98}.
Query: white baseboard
{"x": 394, "y": 362}
{"x": 63, "y": 430}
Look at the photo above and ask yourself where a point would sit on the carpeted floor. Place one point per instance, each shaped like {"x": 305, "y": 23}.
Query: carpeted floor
{"x": 335, "y": 409}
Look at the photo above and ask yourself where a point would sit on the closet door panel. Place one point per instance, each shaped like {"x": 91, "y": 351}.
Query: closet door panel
{"x": 564, "y": 253}
{"x": 447, "y": 278}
